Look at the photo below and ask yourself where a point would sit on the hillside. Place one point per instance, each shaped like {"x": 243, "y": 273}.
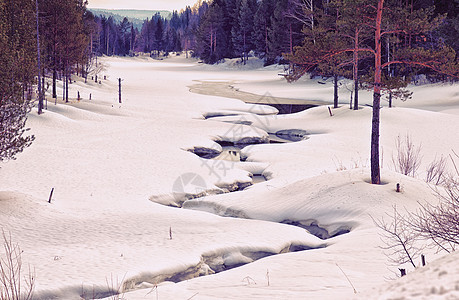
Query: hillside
{"x": 135, "y": 16}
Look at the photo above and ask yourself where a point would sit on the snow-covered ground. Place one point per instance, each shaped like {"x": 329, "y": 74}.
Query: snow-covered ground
{"x": 114, "y": 168}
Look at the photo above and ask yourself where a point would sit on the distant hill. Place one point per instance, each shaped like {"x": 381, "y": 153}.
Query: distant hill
{"x": 136, "y": 17}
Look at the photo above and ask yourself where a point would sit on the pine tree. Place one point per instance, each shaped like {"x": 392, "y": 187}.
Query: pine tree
{"x": 159, "y": 35}
{"x": 91, "y": 31}
{"x": 242, "y": 35}
{"x": 210, "y": 36}
{"x": 17, "y": 70}
{"x": 262, "y": 25}
{"x": 124, "y": 38}
{"x": 285, "y": 30}
{"x": 18, "y": 50}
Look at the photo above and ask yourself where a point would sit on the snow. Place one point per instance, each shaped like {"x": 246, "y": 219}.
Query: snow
{"x": 116, "y": 168}
{"x": 437, "y": 280}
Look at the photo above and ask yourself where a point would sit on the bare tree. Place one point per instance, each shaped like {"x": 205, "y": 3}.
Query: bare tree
{"x": 407, "y": 159}
{"x": 302, "y": 11}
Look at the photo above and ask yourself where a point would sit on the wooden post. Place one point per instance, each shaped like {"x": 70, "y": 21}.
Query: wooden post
{"x": 329, "y": 110}
{"x": 119, "y": 83}
{"x": 398, "y": 188}
{"x": 51, "y": 195}
{"x": 423, "y": 260}
{"x": 89, "y": 96}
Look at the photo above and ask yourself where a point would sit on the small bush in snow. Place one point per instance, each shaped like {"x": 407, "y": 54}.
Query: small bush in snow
{"x": 407, "y": 159}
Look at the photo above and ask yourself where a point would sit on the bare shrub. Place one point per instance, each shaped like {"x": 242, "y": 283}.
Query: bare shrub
{"x": 435, "y": 225}
{"x": 400, "y": 242}
{"x": 12, "y": 284}
{"x": 116, "y": 287}
{"x": 440, "y": 224}
{"x": 339, "y": 165}
{"x": 436, "y": 171}
{"x": 407, "y": 159}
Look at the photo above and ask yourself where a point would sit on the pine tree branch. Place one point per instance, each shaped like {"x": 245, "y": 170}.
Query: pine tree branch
{"x": 393, "y": 31}
{"x": 422, "y": 64}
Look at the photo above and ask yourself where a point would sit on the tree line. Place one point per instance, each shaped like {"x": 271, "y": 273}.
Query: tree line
{"x": 212, "y": 30}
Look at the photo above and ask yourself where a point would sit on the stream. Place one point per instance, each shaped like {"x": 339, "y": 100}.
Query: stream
{"x": 226, "y": 89}
{"x": 232, "y": 152}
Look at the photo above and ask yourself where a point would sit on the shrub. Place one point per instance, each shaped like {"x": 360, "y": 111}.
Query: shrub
{"x": 12, "y": 285}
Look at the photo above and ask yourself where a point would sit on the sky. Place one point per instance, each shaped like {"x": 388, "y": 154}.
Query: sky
{"x": 142, "y": 4}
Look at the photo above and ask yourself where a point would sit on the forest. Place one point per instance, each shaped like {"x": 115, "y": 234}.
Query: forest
{"x": 71, "y": 36}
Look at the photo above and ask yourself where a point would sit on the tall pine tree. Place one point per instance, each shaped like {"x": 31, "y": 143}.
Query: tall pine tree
{"x": 17, "y": 72}
{"x": 243, "y": 33}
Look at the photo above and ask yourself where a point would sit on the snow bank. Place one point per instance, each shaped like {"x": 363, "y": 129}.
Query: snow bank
{"x": 439, "y": 279}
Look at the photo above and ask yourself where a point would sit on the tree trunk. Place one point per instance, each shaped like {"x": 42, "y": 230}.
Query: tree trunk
{"x": 63, "y": 84}
{"x": 211, "y": 41}
{"x": 66, "y": 83}
{"x": 43, "y": 89}
{"x": 40, "y": 94}
{"x": 54, "y": 79}
{"x": 375, "y": 169}
{"x": 356, "y": 70}
{"x": 243, "y": 51}
{"x": 335, "y": 90}
{"x": 356, "y": 89}
{"x": 266, "y": 39}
